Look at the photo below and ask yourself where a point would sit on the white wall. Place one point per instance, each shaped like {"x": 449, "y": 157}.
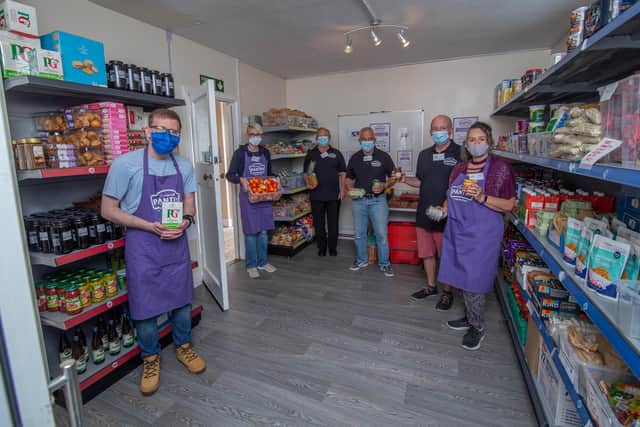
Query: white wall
{"x": 259, "y": 91}
{"x": 462, "y": 87}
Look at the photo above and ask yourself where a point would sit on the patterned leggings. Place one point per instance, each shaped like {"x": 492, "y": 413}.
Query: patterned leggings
{"x": 474, "y": 308}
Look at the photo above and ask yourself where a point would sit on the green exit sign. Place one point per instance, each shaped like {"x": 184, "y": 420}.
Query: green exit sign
{"x": 219, "y": 84}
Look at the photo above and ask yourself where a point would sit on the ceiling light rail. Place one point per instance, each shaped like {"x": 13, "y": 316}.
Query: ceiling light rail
{"x": 375, "y": 34}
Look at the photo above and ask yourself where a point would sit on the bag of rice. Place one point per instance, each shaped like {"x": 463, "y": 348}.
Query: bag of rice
{"x": 574, "y": 227}
{"x": 632, "y": 268}
{"x": 606, "y": 264}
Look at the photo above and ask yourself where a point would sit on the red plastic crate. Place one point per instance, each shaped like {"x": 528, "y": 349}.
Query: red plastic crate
{"x": 402, "y": 235}
{"x": 399, "y": 256}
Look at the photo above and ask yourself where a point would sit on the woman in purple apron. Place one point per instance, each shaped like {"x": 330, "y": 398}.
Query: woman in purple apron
{"x": 480, "y": 192}
{"x": 251, "y": 161}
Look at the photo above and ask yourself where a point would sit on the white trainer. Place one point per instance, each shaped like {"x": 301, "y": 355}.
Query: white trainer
{"x": 268, "y": 268}
{"x": 253, "y": 273}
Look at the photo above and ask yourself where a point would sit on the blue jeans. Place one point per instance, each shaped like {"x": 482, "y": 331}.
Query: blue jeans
{"x": 255, "y": 249}
{"x": 377, "y": 209}
{"x": 147, "y": 331}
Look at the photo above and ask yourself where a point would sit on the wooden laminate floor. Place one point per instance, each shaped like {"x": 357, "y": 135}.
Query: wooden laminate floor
{"x": 316, "y": 344}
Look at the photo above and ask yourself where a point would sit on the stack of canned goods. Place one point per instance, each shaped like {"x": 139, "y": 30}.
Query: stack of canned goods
{"x": 72, "y": 292}
{"x": 62, "y": 231}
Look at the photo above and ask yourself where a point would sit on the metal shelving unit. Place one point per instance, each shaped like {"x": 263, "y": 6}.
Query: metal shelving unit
{"x": 607, "y": 56}
{"x": 610, "y": 173}
{"x": 51, "y": 260}
{"x": 293, "y": 218}
{"x": 62, "y": 173}
{"x": 529, "y": 381}
{"x": 286, "y": 128}
{"x": 294, "y": 191}
{"x": 595, "y": 307}
{"x": 289, "y": 251}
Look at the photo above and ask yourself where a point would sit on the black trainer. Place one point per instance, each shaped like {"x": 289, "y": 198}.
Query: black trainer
{"x": 427, "y": 291}
{"x": 333, "y": 253}
{"x": 446, "y": 301}
{"x": 459, "y": 324}
{"x": 472, "y": 339}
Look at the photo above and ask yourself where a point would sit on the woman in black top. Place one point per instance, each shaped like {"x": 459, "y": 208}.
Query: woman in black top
{"x": 329, "y": 168}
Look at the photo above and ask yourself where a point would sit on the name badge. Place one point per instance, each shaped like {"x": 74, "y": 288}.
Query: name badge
{"x": 255, "y": 158}
{"x": 367, "y": 158}
{"x": 477, "y": 176}
{"x": 439, "y": 157}
{"x": 324, "y": 155}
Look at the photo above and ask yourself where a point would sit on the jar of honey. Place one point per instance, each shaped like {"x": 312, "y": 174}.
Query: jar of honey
{"x": 97, "y": 289}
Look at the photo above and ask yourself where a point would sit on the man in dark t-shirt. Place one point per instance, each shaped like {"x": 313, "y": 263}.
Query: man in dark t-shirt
{"x": 329, "y": 168}
{"x": 432, "y": 177}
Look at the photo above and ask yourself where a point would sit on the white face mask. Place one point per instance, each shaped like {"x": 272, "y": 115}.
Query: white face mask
{"x": 478, "y": 150}
{"x": 255, "y": 140}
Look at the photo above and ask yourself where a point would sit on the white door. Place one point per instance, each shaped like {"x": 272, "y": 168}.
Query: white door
{"x": 202, "y": 111}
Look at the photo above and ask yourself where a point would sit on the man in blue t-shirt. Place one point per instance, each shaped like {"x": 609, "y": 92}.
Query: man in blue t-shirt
{"x": 143, "y": 191}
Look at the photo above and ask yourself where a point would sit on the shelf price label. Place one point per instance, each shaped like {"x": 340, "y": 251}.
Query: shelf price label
{"x": 606, "y": 146}
{"x": 115, "y": 365}
{"x": 91, "y": 170}
{"x": 109, "y": 304}
{"x": 110, "y": 245}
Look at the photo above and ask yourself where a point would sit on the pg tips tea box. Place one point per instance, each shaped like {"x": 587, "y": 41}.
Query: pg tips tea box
{"x": 50, "y": 64}
{"x": 172, "y": 214}
{"x": 18, "y": 18}
{"x": 19, "y": 55}
{"x": 82, "y": 58}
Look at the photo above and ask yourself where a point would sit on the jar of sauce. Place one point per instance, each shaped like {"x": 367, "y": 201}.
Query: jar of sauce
{"x": 46, "y": 245}
{"x": 62, "y": 236}
{"x": 98, "y": 223}
{"x": 110, "y": 284}
{"x": 60, "y": 291}
{"x": 117, "y": 75}
{"x": 156, "y": 83}
{"x": 85, "y": 292}
{"x": 168, "y": 85}
{"x": 52, "y": 297}
{"x": 145, "y": 80}
{"x": 72, "y": 299}
{"x": 133, "y": 77}
{"x": 81, "y": 232}
{"x": 33, "y": 227}
{"x": 41, "y": 295}
{"x": 97, "y": 289}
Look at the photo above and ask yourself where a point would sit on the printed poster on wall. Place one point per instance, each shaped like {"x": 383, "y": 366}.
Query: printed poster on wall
{"x": 382, "y": 132}
{"x": 354, "y": 134}
{"x": 405, "y": 160}
{"x": 461, "y": 126}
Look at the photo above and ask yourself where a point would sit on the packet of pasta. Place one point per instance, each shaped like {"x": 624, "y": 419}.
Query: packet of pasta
{"x": 632, "y": 268}
{"x": 606, "y": 264}
{"x": 574, "y": 227}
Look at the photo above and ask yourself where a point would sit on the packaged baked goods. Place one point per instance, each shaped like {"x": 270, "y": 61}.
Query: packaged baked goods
{"x": 84, "y": 137}
{"x": 83, "y": 118}
{"x": 606, "y": 264}
{"x": 90, "y": 156}
{"x": 50, "y": 122}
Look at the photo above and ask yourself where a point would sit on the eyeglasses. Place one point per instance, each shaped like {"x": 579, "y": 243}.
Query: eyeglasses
{"x": 162, "y": 129}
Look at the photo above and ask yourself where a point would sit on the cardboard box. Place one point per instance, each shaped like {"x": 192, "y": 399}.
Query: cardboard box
{"x": 82, "y": 59}
{"x": 136, "y": 118}
{"x": 19, "y": 55}
{"x": 50, "y": 64}
{"x": 18, "y": 18}
{"x": 532, "y": 347}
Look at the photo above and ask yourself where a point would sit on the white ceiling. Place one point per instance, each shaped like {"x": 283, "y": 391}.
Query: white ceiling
{"x": 297, "y": 38}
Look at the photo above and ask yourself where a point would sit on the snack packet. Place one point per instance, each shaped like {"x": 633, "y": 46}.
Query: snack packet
{"x": 606, "y": 264}
{"x": 574, "y": 228}
{"x": 590, "y": 228}
{"x": 632, "y": 267}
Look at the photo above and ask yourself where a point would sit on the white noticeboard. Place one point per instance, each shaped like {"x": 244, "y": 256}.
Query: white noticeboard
{"x": 399, "y": 133}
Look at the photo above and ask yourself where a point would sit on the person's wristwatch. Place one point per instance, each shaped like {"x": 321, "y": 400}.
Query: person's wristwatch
{"x": 189, "y": 218}
{"x": 484, "y": 201}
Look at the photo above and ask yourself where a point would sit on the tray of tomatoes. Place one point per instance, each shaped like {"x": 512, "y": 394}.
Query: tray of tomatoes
{"x": 263, "y": 189}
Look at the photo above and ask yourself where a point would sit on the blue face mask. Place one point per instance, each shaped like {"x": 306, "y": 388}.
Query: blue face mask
{"x": 164, "y": 143}
{"x": 367, "y": 146}
{"x": 440, "y": 137}
{"x": 322, "y": 141}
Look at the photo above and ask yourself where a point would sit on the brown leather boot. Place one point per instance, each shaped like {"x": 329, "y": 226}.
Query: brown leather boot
{"x": 150, "y": 379}
{"x": 190, "y": 359}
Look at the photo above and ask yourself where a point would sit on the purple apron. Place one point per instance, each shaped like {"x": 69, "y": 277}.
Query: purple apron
{"x": 159, "y": 277}
{"x": 471, "y": 244}
{"x": 256, "y": 217}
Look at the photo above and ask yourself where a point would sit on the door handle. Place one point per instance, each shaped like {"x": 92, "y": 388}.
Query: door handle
{"x": 207, "y": 176}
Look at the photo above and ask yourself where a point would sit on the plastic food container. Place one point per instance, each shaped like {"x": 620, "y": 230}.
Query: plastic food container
{"x": 628, "y": 312}
{"x": 536, "y": 113}
{"x": 90, "y": 156}
{"x": 621, "y": 119}
{"x": 263, "y": 190}
{"x": 84, "y": 138}
{"x": 83, "y": 118}
{"x": 50, "y": 122}
{"x": 357, "y": 193}
{"x": 596, "y": 401}
{"x": 577, "y": 30}
{"x": 536, "y": 127}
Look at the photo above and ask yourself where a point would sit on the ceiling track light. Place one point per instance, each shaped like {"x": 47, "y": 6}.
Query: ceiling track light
{"x": 405, "y": 42}
{"x": 347, "y": 45}
{"x": 374, "y": 30}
